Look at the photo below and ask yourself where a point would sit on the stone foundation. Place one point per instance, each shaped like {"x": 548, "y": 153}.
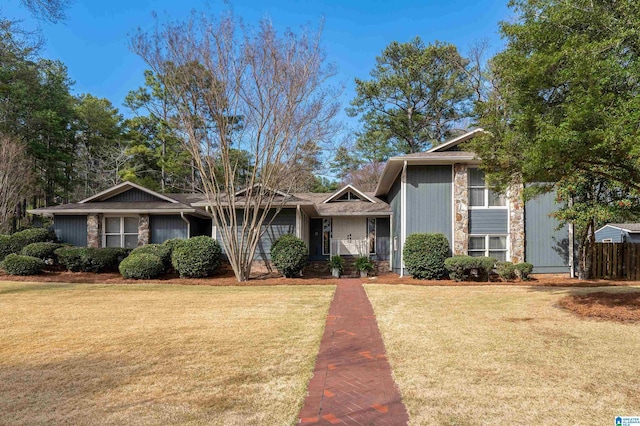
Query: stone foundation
{"x": 461, "y": 209}
{"x": 143, "y": 230}
{"x": 516, "y": 224}
{"x": 94, "y": 230}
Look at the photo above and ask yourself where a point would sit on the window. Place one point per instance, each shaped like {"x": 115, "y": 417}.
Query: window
{"x": 326, "y": 236}
{"x": 480, "y": 195}
{"x": 348, "y": 196}
{"x": 371, "y": 233}
{"x": 121, "y": 231}
{"x": 488, "y": 245}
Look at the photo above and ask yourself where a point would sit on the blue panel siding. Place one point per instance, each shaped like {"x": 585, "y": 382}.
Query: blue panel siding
{"x": 383, "y": 243}
{"x": 429, "y": 200}
{"x": 617, "y": 235}
{"x": 488, "y": 221}
{"x": 71, "y": 229}
{"x": 283, "y": 223}
{"x": 394, "y": 199}
{"x": 546, "y": 248}
{"x": 134, "y": 194}
{"x": 167, "y": 227}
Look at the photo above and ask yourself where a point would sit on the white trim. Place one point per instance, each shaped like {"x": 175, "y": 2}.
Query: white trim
{"x": 188, "y": 224}
{"x": 457, "y": 140}
{"x": 453, "y": 209}
{"x": 115, "y": 190}
{"x": 122, "y": 234}
{"x": 607, "y": 240}
{"x": 486, "y": 188}
{"x": 391, "y": 245}
{"x": 486, "y": 244}
{"x": 346, "y": 188}
{"x": 115, "y": 212}
{"x": 403, "y": 220}
{"x": 617, "y": 227}
{"x": 298, "y": 223}
{"x": 375, "y": 234}
{"x": 214, "y": 231}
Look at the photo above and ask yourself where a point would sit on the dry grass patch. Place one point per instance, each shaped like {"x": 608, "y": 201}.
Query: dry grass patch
{"x": 608, "y": 306}
{"x": 152, "y": 354}
{"x": 493, "y": 355}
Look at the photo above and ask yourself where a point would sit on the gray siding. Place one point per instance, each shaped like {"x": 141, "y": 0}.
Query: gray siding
{"x": 546, "y": 248}
{"x": 71, "y": 229}
{"x": 167, "y": 227}
{"x": 134, "y": 194}
{"x": 383, "y": 243}
{"x": 488, "y": 221}
{"x": 615, "y": 234}
{"x": 429, "y": 200}
{"x": 283, "y": 223}
{"x": 394, "y": 199}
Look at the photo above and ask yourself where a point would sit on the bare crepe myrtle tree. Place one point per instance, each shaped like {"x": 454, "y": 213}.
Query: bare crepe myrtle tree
{"x": 15, "y": 178}
{"x": 238, "y": 87}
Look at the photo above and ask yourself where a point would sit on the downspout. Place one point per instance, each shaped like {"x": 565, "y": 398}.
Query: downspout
{"x": 403, "y": 215}
{"x": 188, "y": 224}
{"x": 572, "y": 270}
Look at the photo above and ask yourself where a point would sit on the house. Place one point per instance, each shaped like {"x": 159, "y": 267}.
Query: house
{"x": 441, "y": 190}
{"x": 619, "y": 233}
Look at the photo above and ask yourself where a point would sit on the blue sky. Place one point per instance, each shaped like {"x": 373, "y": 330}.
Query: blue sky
{"x": 92, "y": 42}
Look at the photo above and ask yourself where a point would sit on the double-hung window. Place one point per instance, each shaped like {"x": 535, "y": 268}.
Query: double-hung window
{"x": 121, "y": 231}
{"x": 480, "y": 195}
{"x": 488, "y": 245}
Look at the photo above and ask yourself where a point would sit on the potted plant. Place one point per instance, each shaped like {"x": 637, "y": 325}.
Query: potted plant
{"x": 336, "y": 264}
{"x": 364, "y": 265}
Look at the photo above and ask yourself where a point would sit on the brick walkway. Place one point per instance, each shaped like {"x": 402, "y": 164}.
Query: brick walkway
{"x": 352, "y": 382}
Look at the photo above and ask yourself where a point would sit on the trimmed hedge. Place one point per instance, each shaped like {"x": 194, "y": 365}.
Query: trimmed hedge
{"x": 89, "y": 259}
{"x": 163, "y": 252}
{"x": 289, "y": 254}
{"x": 16, "y": 242}
{"x": 460, "y": 267}
{"x": 5, "y": 246}
{"x": 141, "y": 265}
{"x": 424, "y": 255}
{"x": 44, "y": 251}
{"x": 523, "y": 270}
{"x": 15, "y": 264}
{"x": 197, "y": 257}
{"x": 506, "y": 270}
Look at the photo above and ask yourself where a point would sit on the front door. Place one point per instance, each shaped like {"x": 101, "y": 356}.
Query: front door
{"x": 350, "y": 232}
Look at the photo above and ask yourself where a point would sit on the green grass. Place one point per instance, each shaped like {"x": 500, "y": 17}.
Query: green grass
{"x": 506, "y": 355}
{"x": 157, "y": 354}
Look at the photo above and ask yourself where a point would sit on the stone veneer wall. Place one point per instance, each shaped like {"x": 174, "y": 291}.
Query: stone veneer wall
{"x": 94, "y": 230}
{"x": 516, "y": 224}
{"x": 143, "y": 230}
{"x": 461, "y": 209}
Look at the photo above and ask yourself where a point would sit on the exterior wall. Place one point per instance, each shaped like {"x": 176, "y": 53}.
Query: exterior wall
{"x": 429, "y": 200}
{"x": 488, "y": 221}
{"x": 546, "y": 248}
{"x": 394, "y": 199}
{"x": 616, "y": 235}
{"x": 517, "y": 235}
{"x": 71, "y": 229}
{"x": 315, "y": 240}
{"x": 94, "y": 230}
{"x": 383, "y": 242}
{"x": 166, "y": 227}
{"x": 461, "y": 207}
{"x": 199, "y": 226}
{"x": 143, "y": 230}
{"x": 134, "y": 194}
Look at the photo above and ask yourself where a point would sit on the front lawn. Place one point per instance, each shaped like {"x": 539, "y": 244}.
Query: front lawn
{"x": 506, "y": 355}
{"x": 157, "y": 354}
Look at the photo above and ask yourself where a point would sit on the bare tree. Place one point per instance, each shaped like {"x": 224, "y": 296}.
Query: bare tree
{"x": 240, "y": 87}
{"x": 15, "y": 178}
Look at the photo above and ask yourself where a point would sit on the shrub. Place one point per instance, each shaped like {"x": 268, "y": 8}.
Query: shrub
{"x": 141, "y": 265}
{"x": 461, "y": 267}
{"x": 424, "y": 255}
{"x": 21, "y": 239}
{"x": 363, "y": 263}
{"x": 5, "y": 246}
{"x": 196, "y": 257}
{"x": 336, "y": 262}
{"x": 163, "y": 252}
{"x": 289, "y": 254}
{"x": 506, "y": 270}
{"x": 89, "y": 259}
{"x": 523, "y": 270}
{"x": 173, "y": 243}
{"x": 44, "y": 251}
{"x": 16, "y": 264}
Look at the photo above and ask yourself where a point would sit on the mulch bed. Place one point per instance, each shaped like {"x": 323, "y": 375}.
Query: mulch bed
{"x": 622, "y": 307}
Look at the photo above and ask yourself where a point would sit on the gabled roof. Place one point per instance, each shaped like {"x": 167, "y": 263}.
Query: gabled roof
{"x": 124, "y": 187}
{"x": 348, "y": 188}
{"x": 435, "y": 156}
{"x": 632, "y": 228}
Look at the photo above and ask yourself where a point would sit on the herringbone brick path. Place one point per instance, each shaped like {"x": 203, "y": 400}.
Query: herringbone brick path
{"x": 352, "y": 382}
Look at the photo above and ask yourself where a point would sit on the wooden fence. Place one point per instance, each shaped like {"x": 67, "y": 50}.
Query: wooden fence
{"x": 616, "y": 260}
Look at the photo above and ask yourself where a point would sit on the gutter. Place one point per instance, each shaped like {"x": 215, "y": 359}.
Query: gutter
{"x": 188, "y": 224}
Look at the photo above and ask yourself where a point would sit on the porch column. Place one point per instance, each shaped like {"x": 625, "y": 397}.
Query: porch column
{"x": 94, "y": 230}
{"x": 143, "y": 230}
{"x": 461, "y": 209}
{"x": 516, "y": 224}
